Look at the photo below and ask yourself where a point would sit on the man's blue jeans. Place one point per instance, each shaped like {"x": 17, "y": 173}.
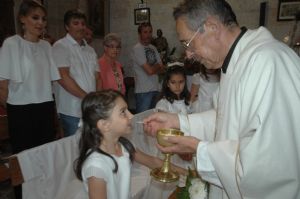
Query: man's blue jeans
{"x": 69, "y": 124}
{"x": 145, "y": 101}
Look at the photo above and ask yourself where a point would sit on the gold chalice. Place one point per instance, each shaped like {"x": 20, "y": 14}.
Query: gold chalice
{"x": 165, "y": 174}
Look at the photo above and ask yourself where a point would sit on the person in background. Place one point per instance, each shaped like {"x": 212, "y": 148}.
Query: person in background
{"x": 204, "y": 89}
{"x": 111, "y": 70}
{"x": 79, "y": 70}
{"x": 174, "y": 98}
{"x": 26, "y": 72}
{"x": 106, "y": 156}
{"x": 174, "y": 95}
{"x": 243, "y": 147}
{"x": 161, "y": 44}
{"x": 146, "y": 65}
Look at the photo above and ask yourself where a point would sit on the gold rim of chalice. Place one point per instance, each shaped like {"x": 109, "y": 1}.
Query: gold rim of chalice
{"x": 161, "y": 133}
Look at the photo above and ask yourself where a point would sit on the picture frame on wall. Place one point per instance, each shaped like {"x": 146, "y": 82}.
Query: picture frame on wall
{"x": 287, "y": 9}
{"x": 96, "y": 17}
{"x": 141, "y": 15}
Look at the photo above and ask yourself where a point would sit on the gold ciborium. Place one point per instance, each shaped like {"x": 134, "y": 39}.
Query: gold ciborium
{"x": 165, "y": 174}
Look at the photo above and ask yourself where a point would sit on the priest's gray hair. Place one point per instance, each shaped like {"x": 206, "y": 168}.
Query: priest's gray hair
{"x": 196, "y": 12}
{"x": 110, "y": 37}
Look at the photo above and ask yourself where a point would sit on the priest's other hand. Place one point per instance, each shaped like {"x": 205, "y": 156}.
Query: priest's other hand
{"x": 181, "y": 145}
{"x": 160, "y": 120}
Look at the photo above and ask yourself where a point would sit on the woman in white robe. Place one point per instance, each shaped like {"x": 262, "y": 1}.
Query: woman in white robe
{"x": 26, "y": 72}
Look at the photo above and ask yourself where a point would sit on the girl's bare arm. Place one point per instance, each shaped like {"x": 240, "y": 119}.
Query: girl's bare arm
{"x": 154, "y": 162}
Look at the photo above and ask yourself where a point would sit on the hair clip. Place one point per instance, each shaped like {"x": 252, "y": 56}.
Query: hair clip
{"x": 175, "y": 64}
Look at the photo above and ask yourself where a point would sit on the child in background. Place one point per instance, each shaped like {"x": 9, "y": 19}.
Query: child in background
{"x": 105, "y": 155}
{"x": 174, "y": 95}
{"x": 175, "y": 98}
{"x": 205, "y": 84}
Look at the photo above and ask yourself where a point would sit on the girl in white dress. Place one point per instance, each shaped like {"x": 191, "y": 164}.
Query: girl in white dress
{"x": 174, "y": 95}
{"x": 105, "y": 155}
{"x": 175, "y": 98}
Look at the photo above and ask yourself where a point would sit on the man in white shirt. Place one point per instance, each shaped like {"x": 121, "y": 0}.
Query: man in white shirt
{"x": 250, "y": 146}
{"x": 146, "y": 65}
{"x": 79, "y": 70}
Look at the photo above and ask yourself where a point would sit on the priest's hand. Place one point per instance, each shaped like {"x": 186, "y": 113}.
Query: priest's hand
{"x": 181, "y": 145}
{"x": 160, "y": 120}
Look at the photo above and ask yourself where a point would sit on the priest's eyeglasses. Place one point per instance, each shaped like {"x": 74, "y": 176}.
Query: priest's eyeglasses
{"x": 187, "y": 45}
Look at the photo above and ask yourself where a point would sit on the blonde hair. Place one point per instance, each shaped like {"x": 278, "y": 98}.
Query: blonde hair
{"x": 111, "y": 37}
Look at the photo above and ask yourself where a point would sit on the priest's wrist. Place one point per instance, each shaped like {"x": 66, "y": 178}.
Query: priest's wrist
{"x": 194, "y": 145}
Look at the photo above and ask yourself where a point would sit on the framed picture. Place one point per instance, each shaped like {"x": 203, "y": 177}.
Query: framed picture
{"x": 287, "y": 9}
{"x": 96, "y": 16}
{"x": 141, "y": 15}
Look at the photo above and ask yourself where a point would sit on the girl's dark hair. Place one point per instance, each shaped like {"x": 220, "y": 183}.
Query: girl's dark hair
{"x": 165, "y": 90}
{"x": 26, "y": 7}
{"x": 96, "y": 106}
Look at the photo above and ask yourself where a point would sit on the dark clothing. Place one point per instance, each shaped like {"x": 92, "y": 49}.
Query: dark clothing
{"x": 30, "y": 125}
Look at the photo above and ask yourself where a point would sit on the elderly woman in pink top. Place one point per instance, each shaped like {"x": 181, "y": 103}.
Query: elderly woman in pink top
{"x": 111, "y": 69}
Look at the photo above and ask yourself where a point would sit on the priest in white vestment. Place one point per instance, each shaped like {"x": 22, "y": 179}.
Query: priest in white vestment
{"x": 249, "y": 147}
